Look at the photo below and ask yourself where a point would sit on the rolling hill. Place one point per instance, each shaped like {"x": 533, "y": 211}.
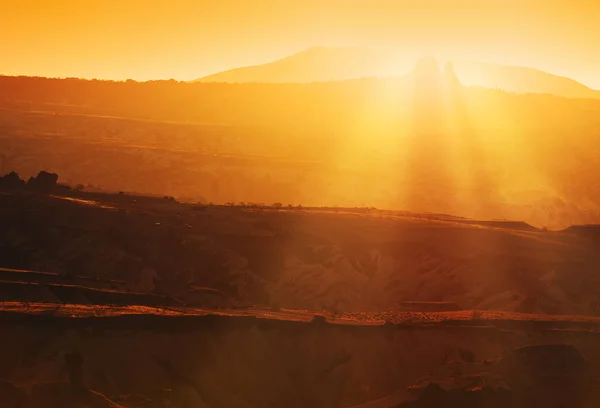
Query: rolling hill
{"x": 420, "y": 142}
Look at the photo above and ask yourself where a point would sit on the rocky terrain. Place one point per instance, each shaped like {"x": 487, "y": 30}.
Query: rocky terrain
{"x": 124, "y": 300}
{"x": 262, "y": 360}
{"x": 301, "y": 258}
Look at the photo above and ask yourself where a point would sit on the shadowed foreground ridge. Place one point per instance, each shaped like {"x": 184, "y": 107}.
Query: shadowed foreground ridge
{"x": 302, "y": 364}
{"x": 271, "y": 306}
{"x": 85, "y": 247}
{"x": 545, "y": 375}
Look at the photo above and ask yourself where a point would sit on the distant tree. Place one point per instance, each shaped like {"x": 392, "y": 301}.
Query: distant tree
{"x": 277, "y": 205}
{"x": 11, "y": 181}
{"x": 44, "y": 181}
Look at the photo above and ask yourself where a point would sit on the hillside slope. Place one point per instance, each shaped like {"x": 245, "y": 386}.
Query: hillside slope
{"x": 419, "y": 143}
{"x": 318, "y": 259}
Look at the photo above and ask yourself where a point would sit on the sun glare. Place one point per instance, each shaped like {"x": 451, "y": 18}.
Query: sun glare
{"x": 316, "y": 203}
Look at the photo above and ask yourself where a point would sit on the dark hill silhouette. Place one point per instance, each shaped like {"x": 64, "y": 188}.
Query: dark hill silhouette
{"x": 326, "y": 64}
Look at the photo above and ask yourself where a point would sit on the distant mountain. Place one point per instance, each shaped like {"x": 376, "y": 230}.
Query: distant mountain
{"x": 326, "y": 64}
{"x": 521, "y": 80}
{"x": 318, "y": 64}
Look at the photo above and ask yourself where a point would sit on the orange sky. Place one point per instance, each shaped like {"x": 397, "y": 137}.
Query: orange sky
{"x": 187, "y": 39}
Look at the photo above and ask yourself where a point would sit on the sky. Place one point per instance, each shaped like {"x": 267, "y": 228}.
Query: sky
{"x": 188, "y": 39}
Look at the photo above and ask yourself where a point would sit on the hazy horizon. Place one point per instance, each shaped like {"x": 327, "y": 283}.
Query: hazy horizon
{"x": 405, "y": 66}
{"x": 186, "y": 40}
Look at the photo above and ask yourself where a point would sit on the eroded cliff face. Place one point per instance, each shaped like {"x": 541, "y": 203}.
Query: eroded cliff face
{"x": 243, "y": 362}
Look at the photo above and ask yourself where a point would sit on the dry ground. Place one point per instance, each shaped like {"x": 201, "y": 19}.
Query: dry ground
{"x": 178, "y": 305}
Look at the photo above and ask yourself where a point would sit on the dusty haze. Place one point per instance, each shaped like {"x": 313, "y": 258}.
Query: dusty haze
{"x": 309, "y": 204}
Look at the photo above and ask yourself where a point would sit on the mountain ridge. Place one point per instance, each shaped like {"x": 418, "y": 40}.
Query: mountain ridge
{"x": 317, "y": 63}
{"x": 322, "y": 64}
